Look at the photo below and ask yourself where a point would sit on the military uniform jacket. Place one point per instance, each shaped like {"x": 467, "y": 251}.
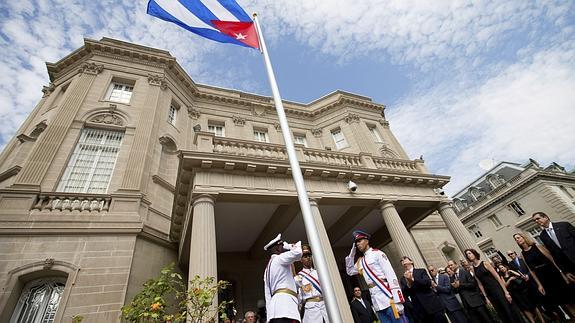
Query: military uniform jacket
{"x": 277, "y": 276}
{"x": 308, "y": 283}
{"x": 379, "y": 264}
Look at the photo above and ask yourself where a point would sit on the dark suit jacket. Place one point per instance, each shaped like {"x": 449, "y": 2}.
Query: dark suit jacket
{"x": 521, "y": 267}
{"x": 564, "y": 256}
{"x": 424, "y": 300}
{"x": 469, "y": 290}
{"x": 445, "y": 293}
{"x": 360, "y": 313}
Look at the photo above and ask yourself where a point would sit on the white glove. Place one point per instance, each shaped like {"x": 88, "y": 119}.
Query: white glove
{"x": 399, "y": 307}
{"x": 352, "y": 252}
{"x": 287, "y": 246}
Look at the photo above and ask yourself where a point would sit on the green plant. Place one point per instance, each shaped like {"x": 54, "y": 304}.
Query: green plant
{"x": 166, "y": 299}
{"x": 77, "y": 319}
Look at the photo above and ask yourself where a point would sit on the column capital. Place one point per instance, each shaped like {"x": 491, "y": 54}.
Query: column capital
{"x": 91, "y": 68}
{"x": 384, "y": 204}
{"x": 204, "y": 198}
{"x": 444, "y": 205}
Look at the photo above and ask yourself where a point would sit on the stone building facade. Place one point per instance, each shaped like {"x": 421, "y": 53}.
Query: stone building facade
{"x": 500, "y": 202}
{"x": 126, "y": 164}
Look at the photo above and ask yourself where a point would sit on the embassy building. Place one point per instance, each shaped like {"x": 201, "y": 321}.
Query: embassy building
{"x": 126, "y": 165}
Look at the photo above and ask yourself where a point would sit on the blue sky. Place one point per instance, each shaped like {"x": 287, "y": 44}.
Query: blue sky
{"x": 463, "y": 80}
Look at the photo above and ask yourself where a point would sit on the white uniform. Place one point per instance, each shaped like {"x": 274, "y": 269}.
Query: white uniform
{"x": 379, "y": 264}
{"x": 278, "y": 276}
{"x": 315, "y": 312}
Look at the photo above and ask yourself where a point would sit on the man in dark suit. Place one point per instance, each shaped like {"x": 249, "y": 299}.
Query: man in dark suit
{"x": 516, "y": 263}
{"x": 559, "y": 238}
{"x": 361, "y": 308}
{"x": 416, "y": 285}
{"x": 468, "y": 290}
{"x": 443, "y": 289}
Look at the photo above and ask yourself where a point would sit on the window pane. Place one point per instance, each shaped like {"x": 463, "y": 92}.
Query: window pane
{"x": 298, "y": 139}
{"x": 260, "y": 136}
{"x": 39, "y": 301}
{"x": 217, "y": 130}
{"x": 375, "y": 134}
{"x": 91, "y": 166}
{"x": 121, "y": 93}
{"x": 339, "y": 139}
{"x": 172, "y": 115}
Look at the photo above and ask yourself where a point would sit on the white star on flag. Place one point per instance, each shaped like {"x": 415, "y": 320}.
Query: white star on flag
{"x": 240, "y": 36}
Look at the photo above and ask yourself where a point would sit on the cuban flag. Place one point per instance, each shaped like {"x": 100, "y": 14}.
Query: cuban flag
{"x": 221, "y": 20}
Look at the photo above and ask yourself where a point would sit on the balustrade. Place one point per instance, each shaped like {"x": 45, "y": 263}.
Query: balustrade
{"x": 72, "y": 202}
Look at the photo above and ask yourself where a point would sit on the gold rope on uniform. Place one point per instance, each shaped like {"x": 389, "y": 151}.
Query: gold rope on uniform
{"x": 394, "y": 308}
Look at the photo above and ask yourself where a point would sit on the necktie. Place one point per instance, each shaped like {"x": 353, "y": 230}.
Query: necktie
{"x": 553, "y": 237}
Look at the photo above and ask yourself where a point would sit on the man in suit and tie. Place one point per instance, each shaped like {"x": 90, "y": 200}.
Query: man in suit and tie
{"x": 559, "y": 238}
{"x": 442, "y": 286}
{"x": 471, "y": 297}
{"x": 361, "y": 308}
{"x": 416, "y": 285}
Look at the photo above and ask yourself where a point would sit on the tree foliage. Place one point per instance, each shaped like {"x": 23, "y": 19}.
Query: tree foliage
{"x": 167, "y": 299}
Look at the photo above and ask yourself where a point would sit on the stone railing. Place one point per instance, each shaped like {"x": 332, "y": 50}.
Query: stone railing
{"x": 331, "y": 157}
{"x": 89, "y": 203}
{"x": 249, "y": 148}
{"x": 395, "y": 164}
{"x": 254, "y": 149}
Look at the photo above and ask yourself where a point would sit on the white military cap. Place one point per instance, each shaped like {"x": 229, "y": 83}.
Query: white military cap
{"x": 273, "y": 241}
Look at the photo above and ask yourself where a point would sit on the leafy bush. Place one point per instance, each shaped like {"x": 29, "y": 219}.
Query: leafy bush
{"x": 167, "y": 299}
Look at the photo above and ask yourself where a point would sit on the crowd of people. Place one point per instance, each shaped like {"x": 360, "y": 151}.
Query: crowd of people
{"x": 535, "y": 285}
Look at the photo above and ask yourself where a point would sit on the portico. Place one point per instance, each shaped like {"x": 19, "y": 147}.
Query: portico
{"x": 232, "y": 197}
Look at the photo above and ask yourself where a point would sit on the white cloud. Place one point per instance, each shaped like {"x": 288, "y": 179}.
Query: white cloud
{"x": 522, "y": 111}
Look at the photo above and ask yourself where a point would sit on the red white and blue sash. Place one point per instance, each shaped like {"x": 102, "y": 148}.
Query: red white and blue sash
{"x": 373, "y": 277}
{"x": 314, "y": 282}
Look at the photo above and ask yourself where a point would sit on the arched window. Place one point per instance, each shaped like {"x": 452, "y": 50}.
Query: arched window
{"x": 39, "y": 301}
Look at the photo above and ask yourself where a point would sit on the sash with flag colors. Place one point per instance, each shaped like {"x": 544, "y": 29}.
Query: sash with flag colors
{"x": 221, "y": 20}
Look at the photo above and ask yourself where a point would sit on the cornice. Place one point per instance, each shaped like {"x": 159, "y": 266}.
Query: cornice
{"x": 148, "y": 56}
{"x": 512, "y": 190}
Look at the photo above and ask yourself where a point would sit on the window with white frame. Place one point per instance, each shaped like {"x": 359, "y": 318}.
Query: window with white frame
{"x": 218, "y": 130}
{"x": 39, "y": 301}
{"x": 261, "y": 135}
{"x": 516, "y": 207}
{"x": 300, "y": 139}
{"x": 172, "y": 114}
{"x": 374, "y": 133}
{"x": 91, "y": 165}
{"x": 535, "y": 232}
{"x": 490, "y": 252}
{"x": 475, "y": 230}
{"x": 120, "y": 92}
{"x": 339, "y": 139}
{"x": 495, "y": 220}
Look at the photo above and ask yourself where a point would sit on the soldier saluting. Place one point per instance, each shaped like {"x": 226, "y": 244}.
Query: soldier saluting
{"x": 279, "y": 283}
{"x": 311, "y": 297}
{"x": 379, "y": 275}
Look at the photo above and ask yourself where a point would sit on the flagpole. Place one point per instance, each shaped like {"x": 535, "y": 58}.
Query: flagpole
{"x": 310, "y": 227}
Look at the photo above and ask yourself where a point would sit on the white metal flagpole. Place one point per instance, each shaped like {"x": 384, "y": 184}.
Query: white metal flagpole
{"x": 310, "y": 227}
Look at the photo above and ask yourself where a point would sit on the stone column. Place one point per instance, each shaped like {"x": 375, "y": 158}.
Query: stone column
{"x": 145, "y": 130}
{"x": 47, "y": 145}
{"x": 456, "y": 228}
{"x": 399, "y": 234}
{"x": 342, "y": 301}
{"x": 203, "y": 256}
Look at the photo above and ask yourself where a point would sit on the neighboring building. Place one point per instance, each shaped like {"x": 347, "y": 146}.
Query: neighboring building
{"x": 126, "y": 164}
{"x": 501, "y": 202}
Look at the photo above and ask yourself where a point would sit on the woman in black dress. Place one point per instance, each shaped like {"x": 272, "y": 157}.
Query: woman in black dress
{"x": 493, "y": 287}
{"x": 517, "y": 287}
{"x": 549, "y": 279}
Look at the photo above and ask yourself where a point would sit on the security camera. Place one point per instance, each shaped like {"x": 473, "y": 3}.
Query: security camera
{"x": 439, "y": 191}
{"x": 351, "y": 186}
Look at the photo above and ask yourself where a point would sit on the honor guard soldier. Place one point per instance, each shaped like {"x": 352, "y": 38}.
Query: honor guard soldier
{"x": 311, "y": 297}
{"x": 376, "y": 269}
{"x": 279, "y": 283}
